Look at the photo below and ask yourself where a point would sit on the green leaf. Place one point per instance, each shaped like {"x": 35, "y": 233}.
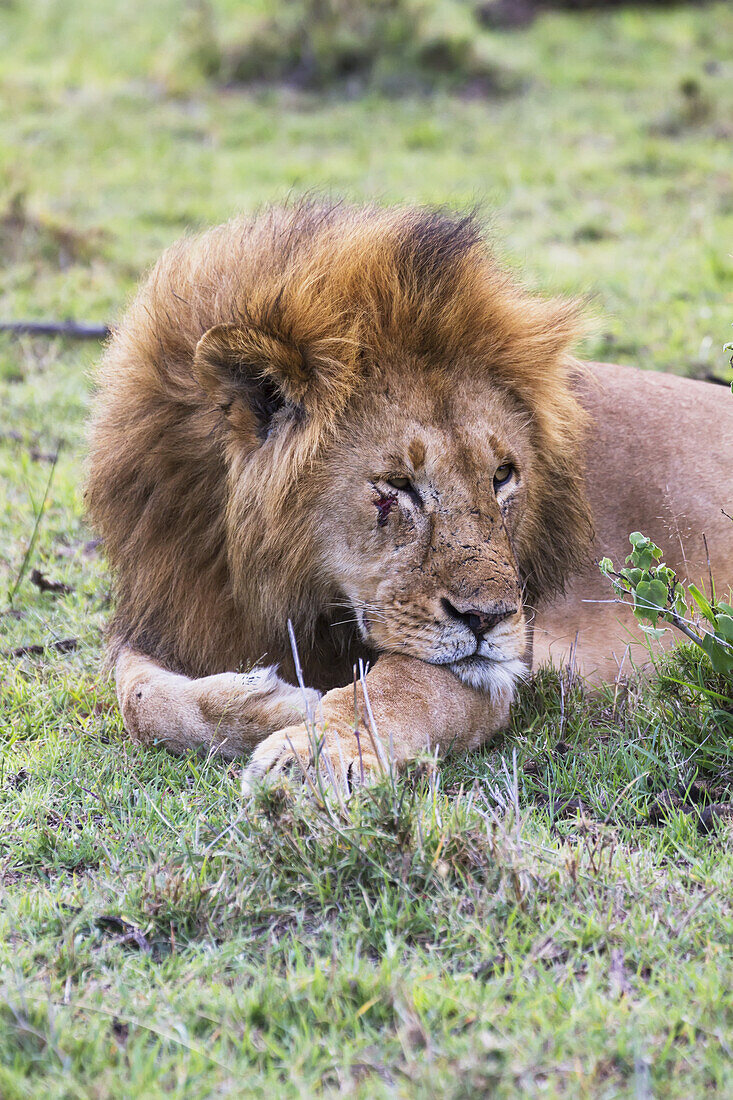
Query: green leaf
{"x": 724, "y": 627}
{"x": 642, "y": 558}
{"x": 680, "y": 603}
{"x": 644, "y": 551}
{"x": 721, "y": 661}
{"x": 650, "y": 598}
{"x": 702, "y": 602}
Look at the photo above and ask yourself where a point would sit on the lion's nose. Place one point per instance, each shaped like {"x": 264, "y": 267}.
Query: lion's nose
{"x": 480, "y": 622}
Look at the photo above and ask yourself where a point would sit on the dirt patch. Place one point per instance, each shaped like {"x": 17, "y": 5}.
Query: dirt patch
{"x": 36, "y": 649}
{"x": 123, "y": 933}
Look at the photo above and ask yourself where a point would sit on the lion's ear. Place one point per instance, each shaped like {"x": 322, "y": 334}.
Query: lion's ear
{"x": 248, "y": 370}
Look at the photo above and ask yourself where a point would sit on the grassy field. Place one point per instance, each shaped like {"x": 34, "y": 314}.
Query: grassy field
{"x": 545, "y": 918}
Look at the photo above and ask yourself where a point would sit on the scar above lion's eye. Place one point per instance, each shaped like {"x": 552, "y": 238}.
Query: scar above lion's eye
{"x": 383, "y": 503}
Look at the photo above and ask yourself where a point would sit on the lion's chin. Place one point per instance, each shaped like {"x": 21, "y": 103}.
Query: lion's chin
{"x": 497, "y": 678}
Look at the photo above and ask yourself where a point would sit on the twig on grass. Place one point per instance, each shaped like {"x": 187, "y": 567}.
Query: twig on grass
{"x": 34, "y": 534}
{"x": 75, "y": 330}
{"x": 36, "y": 649}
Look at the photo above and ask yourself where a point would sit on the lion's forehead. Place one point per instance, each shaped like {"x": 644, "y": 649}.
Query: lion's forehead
{"x": 455, "y": 450}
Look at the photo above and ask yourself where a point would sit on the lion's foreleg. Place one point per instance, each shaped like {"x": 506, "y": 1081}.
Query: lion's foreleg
{"x": 412, "y": 708}
{"x": 231, "y": 712}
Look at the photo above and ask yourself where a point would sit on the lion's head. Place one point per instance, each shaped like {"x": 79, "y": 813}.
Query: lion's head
{"x": 348, "y": 417}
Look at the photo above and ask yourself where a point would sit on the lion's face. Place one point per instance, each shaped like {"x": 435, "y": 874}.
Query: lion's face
{"x": 422, "y": 503}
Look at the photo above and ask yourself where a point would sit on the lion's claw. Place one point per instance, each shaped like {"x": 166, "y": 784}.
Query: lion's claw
{"x": 341, "y": 760}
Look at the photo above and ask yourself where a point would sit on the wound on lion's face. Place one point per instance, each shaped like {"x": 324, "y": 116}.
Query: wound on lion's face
{"x": 383, "y": 503}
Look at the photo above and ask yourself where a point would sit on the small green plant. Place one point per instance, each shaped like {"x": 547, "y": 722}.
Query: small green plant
{"x": 658, "y": 596}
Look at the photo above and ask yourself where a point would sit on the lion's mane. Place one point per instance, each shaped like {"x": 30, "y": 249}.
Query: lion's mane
{"x": 212, "y": 548}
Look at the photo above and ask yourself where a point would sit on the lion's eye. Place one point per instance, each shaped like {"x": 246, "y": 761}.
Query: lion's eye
{"x": 503, "y": 475}
{"x": 402, "y": 483}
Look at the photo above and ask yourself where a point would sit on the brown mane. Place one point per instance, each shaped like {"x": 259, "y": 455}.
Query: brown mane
{"x": 207, "y": 569}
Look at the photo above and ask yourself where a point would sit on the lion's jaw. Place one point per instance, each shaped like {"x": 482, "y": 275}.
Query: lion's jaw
{"x": 429, "y": 570}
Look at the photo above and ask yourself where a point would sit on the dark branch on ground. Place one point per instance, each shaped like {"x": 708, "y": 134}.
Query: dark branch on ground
{"x": 41, "y": 581}
{"x": 76, "y": 331}
{"x": 65, "y": 645}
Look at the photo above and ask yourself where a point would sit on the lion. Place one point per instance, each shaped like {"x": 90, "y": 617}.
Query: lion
{"x": 348, "y": 426}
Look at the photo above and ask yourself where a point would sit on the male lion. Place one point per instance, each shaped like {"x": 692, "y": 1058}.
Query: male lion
{"x": 351, "y": 419}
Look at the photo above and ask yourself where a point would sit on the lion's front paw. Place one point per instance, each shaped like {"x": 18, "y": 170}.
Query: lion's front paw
{"x": 340, "y": 759}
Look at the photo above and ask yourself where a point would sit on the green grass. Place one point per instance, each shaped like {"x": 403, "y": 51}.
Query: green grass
{"x": 471, "y": 930}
